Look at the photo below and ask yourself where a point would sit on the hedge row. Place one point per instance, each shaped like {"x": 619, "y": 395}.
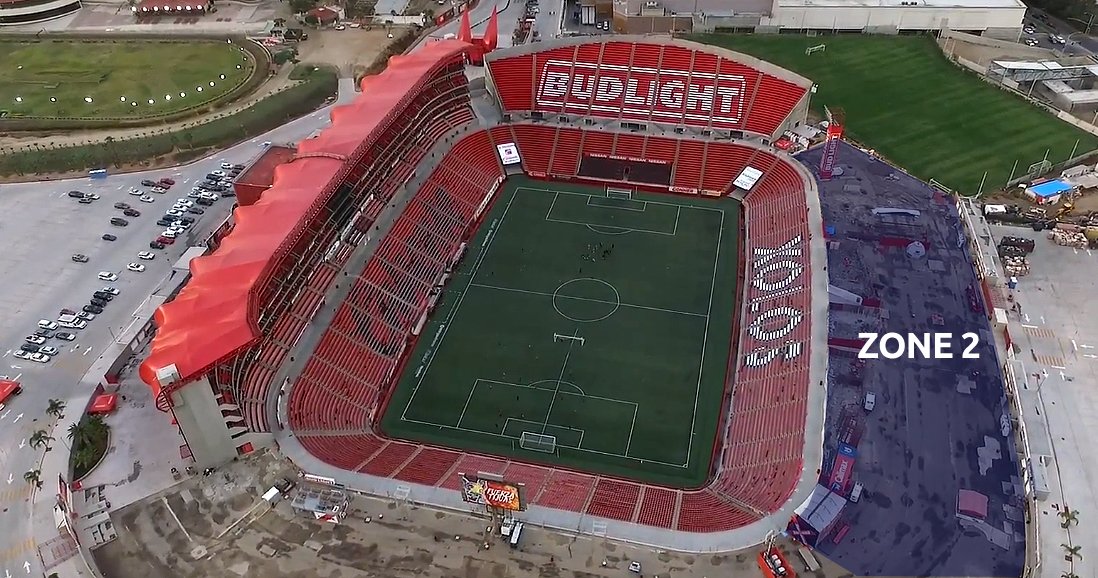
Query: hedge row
{"x": 265, "y": 115}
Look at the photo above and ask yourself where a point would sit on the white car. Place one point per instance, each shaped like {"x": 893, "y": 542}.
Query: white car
{"x": 159, "y": 190}
{"x": 227, "y": 166}
{"x": 36, "y": 339}
{"x": 210, "y": 196}
{"x": 136, "y": 267}
{"x": 40, "y": 358}
{"x": 48, "y": 350}
{"x": 219, "y": 173}
{"x": 146, "y": 199}
{"x": 21, "y": 354}
{"x": 109, "y": 289}
{"x": 169, "y": 233}
{"x": 77, "y": 324}
{"x": 47, "y": 324}
{"x": 145, "y": 255}
{"x": 92, "y": 196}
{"x": 107, "y": 276}
{"x": 85, "y": 316}
{"x": 135, "y": 191}
{"x": 185, "y": 202}
{"x": 174, "y": 212}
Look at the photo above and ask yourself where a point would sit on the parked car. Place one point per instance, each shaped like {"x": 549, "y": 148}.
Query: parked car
{"x": 105, "y": 276}
{"x": 93, "y": 309}
{"x": 132, "y": 213}
{"x": 119, "y": 222}
{"x": 146, "y": 256}
{"x": 122, "y": 206}
{"x": 165, "y": 240}
{"x": 76, "y": 194}
{"x": 86, "y": 201}
{"x": 148, "y": 183}
{"x": 156, "y": 245}
{"x": 167, "y": 181}
{"x": 109, "y": 237}
{"x": 136, "y": 191}
{"x": 48, "y": 350}
{"x": 109, "y": 289}
{"x": 29, "y": 348}
{"x": 65, "y": 336}
{"x": 80, "y": 258}
{"x": 135, "y": 267}
{"x": 47, "y": 324}
{"x": 35, "y": 339}
{"x": 146, "y": 199}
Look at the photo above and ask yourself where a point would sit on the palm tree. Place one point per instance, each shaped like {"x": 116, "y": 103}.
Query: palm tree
{"x": 1068, "y": 518}
{"x": 56, "y": 408}
{"x": 1072, "y": 552}
{"x": 40, "y": 438}
{"x": 87, "y": 430}
{"x": 33, "y": 477}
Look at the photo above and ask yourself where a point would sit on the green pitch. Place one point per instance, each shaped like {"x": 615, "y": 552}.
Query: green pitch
{"x": 904, "y": 99}
{"x": 119, "y": 76}
{"x": 585, "y": 330}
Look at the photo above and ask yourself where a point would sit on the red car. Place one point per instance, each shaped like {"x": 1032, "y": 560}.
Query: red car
{"x": 165, "y": 240}
{"x": 166, "y": 182}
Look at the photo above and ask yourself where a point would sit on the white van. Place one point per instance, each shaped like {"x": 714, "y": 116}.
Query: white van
{"x": 856, "y": 493}
{"x": 870, "y": 400}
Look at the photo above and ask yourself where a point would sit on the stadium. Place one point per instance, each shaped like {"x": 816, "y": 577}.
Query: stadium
{"x": 599, "y": 228}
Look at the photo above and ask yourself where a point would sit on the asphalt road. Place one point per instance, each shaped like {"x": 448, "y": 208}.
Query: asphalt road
{"x": 41, "y": 228}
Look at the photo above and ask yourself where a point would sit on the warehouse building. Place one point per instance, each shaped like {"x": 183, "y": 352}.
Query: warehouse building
{"x": 993, "y": 18}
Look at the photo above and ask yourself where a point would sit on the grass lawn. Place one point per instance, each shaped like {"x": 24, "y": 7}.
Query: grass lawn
{"x": 53, "y": 78}
{"x": 906, "y": 100}
{"x": 547, "y": 349}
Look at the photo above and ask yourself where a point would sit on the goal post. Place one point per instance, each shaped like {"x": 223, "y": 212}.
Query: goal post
{"x": 618, "y": 193}
{"x": 815, "y": 49}
{"x": 557, "y": 337}
{"x": 538, "y": 442}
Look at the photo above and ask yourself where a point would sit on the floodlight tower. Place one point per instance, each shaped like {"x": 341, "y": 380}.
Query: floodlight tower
{"x": 836, "y": 119}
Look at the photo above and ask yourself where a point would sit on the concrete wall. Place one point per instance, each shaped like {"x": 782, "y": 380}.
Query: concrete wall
{"x": 1016, "y": 49}
{"x": 197, "y": 413}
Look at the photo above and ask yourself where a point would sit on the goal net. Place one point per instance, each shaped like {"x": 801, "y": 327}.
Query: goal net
{"x": 558, "y": 337}
{"x": 538, "y": 442}
{"x": 619, "y": 193}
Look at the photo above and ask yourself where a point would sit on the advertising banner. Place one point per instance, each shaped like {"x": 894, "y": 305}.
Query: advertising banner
{"x": 831, "y": 150}
{"x": 491, "y": 493}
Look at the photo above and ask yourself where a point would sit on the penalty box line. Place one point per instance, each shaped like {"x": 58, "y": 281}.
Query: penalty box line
{"x": 549, "y": 218}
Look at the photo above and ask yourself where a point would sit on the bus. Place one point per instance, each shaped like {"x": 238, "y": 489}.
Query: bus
{"x": 98, "y": 174}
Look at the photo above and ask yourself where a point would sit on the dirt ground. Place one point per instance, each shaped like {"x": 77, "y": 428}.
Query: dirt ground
{"x": 346, "y": 49}
{"x": 225, "y": 529}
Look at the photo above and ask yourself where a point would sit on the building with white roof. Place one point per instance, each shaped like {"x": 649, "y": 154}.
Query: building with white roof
{"x": 993, "y": 18}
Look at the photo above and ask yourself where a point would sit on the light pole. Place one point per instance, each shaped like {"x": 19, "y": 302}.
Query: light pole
{"x": 1089, "y": 22}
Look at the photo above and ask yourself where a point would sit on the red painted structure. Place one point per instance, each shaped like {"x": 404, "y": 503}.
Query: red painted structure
{"x": 259, "y": 177}
{"x": 831, "y": 150}
{"x": 214, "y": 328}
{"x": 648, "y": 81}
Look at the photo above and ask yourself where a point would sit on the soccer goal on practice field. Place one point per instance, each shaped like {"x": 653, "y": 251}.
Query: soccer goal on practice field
{"x": 558, "y": 337}
{"x": 538, "y": 442}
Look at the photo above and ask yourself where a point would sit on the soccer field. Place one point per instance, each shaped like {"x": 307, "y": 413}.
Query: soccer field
{"x": 582, "y": 328}
{"x": 906, "y": 100}
{"x": 74, "y": 78}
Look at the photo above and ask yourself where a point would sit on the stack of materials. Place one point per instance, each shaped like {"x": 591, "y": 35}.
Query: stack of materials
{"x": 1016, "y": 266}
{"x": 1068, "y": 238}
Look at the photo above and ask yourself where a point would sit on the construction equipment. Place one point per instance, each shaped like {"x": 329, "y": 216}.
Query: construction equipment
{"x": 1064, "y": 210}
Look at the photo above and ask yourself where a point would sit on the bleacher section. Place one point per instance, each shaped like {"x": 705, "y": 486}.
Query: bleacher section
{"x": 751, "y": 95}
{"x": 335, "y": 401}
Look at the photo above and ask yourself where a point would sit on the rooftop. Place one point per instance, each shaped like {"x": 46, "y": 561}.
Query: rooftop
{"x": 261, "y": 172}
{"x": 900, "y": 4}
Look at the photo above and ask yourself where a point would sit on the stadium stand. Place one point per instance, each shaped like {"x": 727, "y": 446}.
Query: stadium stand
{"x": 362, "y": 161}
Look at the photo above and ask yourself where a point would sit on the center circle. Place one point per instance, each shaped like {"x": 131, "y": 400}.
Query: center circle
{"x": 586, "y": 300}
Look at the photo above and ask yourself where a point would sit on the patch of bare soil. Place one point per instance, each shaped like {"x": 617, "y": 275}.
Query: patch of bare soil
{"x": 347, "y": 50}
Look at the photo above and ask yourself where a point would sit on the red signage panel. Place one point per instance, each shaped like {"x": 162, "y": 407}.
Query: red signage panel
{"x": 640, "y": 93}
{"x": 831, "y": 150}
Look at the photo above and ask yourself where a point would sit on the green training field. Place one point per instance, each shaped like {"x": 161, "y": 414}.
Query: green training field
{"x": 53, "y": 79}
{"x": 906, "y": 100}
{"x": 582, "y": 329}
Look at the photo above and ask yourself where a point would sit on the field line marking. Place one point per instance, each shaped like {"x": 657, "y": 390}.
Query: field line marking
{"x": 472, "y": 390}
{"x": 575, "y": 194}
{"x": 556, "y": 390}
{"x": 551, "y": 205}
{"x": 457, "y": 306}
{"x": 631, "y": 229}
{"x": 705, "y": 340}
{"x": 644, "y": 205}
{"x": 628, "y": 305}
{"x": 632, "y": 426}
{"x": 580, "y": 394}
{"x": 678, "y": 213}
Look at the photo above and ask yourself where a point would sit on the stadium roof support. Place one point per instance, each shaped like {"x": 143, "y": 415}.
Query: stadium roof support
{"x": 1022, "y": 71}
{"x": 216, "y": 314}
